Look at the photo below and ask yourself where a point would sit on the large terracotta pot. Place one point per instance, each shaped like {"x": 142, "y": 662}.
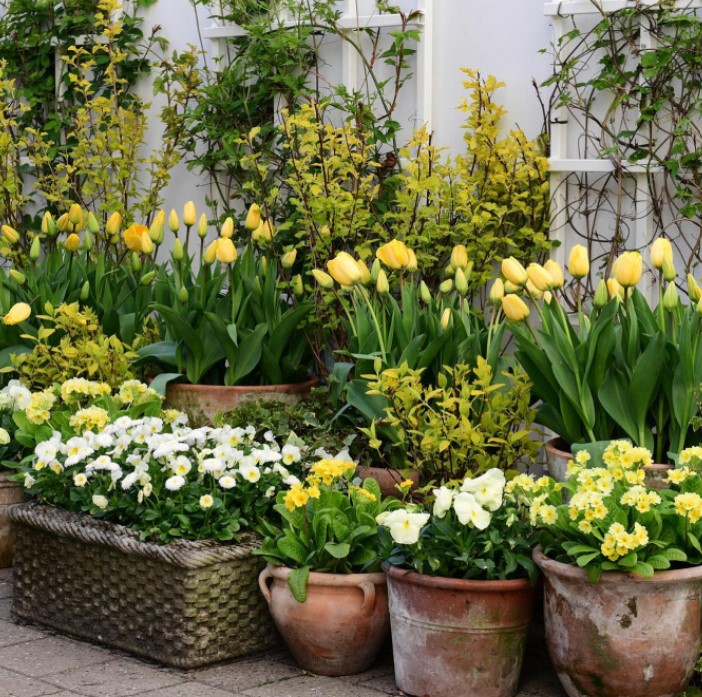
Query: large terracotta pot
{"x": 558, "y": 455}
{"x": 342, "y": 625}
{"x": 625, "y": 636}
{"x": 456, "y": 637}
{"x": 388, "y": 478}
{"x": 10, "y": 492}
{"x": 202, "y": 402}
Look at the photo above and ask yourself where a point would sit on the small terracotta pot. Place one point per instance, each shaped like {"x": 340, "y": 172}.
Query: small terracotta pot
{"x": 388, "y": 478}
{"x": 625, "y": 636}
{"x": 10, "y": 492}
{"x": 202, "y": 402}
{"x": 656, "y": 476}
{"x": 342, "y": 625}
{"x": 456, "y": 637}
{"x": 558, "y": 455}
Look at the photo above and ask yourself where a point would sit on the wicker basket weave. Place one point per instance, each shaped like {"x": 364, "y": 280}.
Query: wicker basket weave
{"x": 185, "y": 604}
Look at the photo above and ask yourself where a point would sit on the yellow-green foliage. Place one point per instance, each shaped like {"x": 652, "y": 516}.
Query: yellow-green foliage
{"x": 71, "y": 344}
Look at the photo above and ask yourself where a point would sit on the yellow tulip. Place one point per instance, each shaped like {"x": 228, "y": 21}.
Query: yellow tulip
{"x": 344, "y": 269}
{"x": 670, "y": 297}
{"x": 189, "y": 214}
{"x": 173, "y": 222}
{"x": 693, "y": 289}
{"x": 514, "y": 272}
{"x": 459, "y": 257}
{"x": 556, "y": 272}
{"x": 548, "y": 296}
{"x": 72, "y": 242}
{"x": 699, "y": 307}
{"x": 227, "y": 228}
{"x": 446, "y": 318}
{"x": 578, "y": 262}
{"x": 412, "y": 263}
{"x": 211, "y": 252}
{"x": 63, "y": 223}
{"x": 18, "y": 313}
{"x": 178, "y": 252}
{"x": 511, "y": 288}
{"x": 460, "y": 281}
{"x": 156, "y": 232}
{"x": 18, "y": 277}
{"x": 539, "y": 277}
{"x": 114, "y": 223}
{"x": 135, "y": 261}
{"x": 147, "y": 244}
{"x": 10, "y": 234}
{"x": 660, "y": 250}
{"x": 226, "y": 251}
{"x": 287, "y": 261}
{"x": 324, "y": 279}
{"x": 446, "y": 286}
{"x": 264, "y": 232}
{"x": 424, "y": 292}
{"x": 75, "y": 217}
{"x": 627, "y": 269}
{"x": 533, "y": 292}
{"x": 601, "y": 294}
{"x": 35, "y": 248}
{"x": 394, "y": 254}
{"x": 202, "y": 227}
{"x": 365, "y": 272}
{"x": 297, "y": 285}
{"x": 514, "y": 308}
{"x": 93, "y": 225}
{"x": 132, "y": 236}
{"x": 615, "y": 290}
{"x": 253, "y": 217}
{"x": 669, "y": 272}
{"x": 382, "y": 285}
{"x": 48, "y": 227}
{"x": 497, "y": 292}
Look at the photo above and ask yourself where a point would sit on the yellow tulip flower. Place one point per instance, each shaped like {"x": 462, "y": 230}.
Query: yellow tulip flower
{"x": 627, "y": 269}
{"x": 72, "y": 242}
{"x": 202, "y": 227}
{"x": 147, "y": 244}
{"x": 660, "y": 249}
{"x": 693, "y": 289}
{"x": 514, "y": 272}
{"x": 227, "y": 228}
{"x": 459, "y": 257}
{"x": 173, "y": 222}
{"x": 578, "y": 262}
{"x": 10, "y": 234}
{"x": 615, "y": 290}
{"x": 539, "y": 277}
{"x": 189, "y": 214}
{"x": 394, "y": 254}
{"x": 132, "y": 236}
{"x": 344, "y": 269}
{"x": 497, "y": 292}
{"x": 253, "y": 217}
{"x": 114, "y": 223}
{"x": 18, "y": 313}
{"x": 324, "y": 279}
{"x": 226, "y": 251}
{"x": 514, "y": 308}
{"x": 287, "y": 261}
{"x": 382, "y": 285}
{"x": 556, "y": 272}
{"x": 211, "y": 252}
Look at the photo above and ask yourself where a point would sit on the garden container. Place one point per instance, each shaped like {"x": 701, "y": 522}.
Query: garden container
{"x": 10, "y": 493}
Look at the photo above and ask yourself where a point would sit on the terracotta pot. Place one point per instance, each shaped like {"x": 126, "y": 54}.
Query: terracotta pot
{"x": 388, "y": 478}
{"x": 625, "y": 636}
{"x": 558, "y": 455}
{"x": 202, "y": 402}
{"x": 456, "y": 637}
{"x": 342, "y": 625}
{"x": 10, "y": 492}
{"x": 656, "y": 476}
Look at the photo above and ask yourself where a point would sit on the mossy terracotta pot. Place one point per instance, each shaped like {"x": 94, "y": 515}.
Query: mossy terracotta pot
{"x": 10, "y": 493}
{"x": 342, "y": 625}
{"x": 388, "y": 478}
{"x": 202, "y": 402}
{"x": 626, "y": 636}
{"x": 558, "y": 454}
{"x": 458, "y": 637}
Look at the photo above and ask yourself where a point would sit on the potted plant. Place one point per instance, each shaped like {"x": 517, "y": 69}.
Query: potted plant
{"x": 461, "y": 588}
{"x": 154, "y": 515}
{"x": 323, "y": 583}
{"x": 622, "y": 575}
{"x": 623, "y": 370}
{"x": 231, "y": 326}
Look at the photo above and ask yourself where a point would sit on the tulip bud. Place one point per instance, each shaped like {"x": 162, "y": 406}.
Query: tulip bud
{"x": 548, "y": 296}
{"x": 424, "y": 293}
{"x": 147, "y": 244}
{"x": 226, "y": 251}
{"x": 173, "y": 223}
{"x": 446, "y": 318}
{"x": 375, "y": 270}
{"x": 93, "y": 225}
{"x": 556, "y": 272}
{"x": 202, "y": 227}
{"x": 287, "y": 261}
{"x": 211, "y": 252}
{"x": 669, "y": 272}
{"x": 693, "y": 290}
{"x": 511, "y": 288}
{"x": 135, "y": 262}
{"x": 578, "y": 262}
{"x": 113, "y": 225}
{"x": 660, "y": 249}
{"x": 497, "y": 292}
{"x": 147, "y": 278}
{"x": 63, "y": 223}
{"x": 446, "y": 286}
{"x": 601, "y": 295}
{"x": 532, "y": 291}
{"x": 17, "y": 313}
{"x": 35, "y": 249}
{"x": 297, "y": 285}
{"x": 264, "y": 265}
{"x": 18, "y": 277}
{"x": 89, "y": 240}
{"x": 72, "y": 242}
{"x": 514, "y": 272}
{"x": 459, "y": 257}
{"x": 85, "y": 291}
{"x": 670, "y": 297}
{"x": 183, "y": 294}
{"x": 114, "y": 239}
{"x": 323, "y": 279}
{"x": 614, "y": 289}
{"x": 627, "y": 269}
{"x": 699, "y": 307}
{"x": 75, "y": 216}
{"x": 382, "y": 285}
{"x": 156, "y": 232}
{"x": 48, "y": 226}
{"x": 539, "y": 277}
{"x": 177, "y": 252}
{"x": 515, "y": 308}
{"x": 344, "y": 269}
{"x": 460, "y": 281}
{"x": 394, "y": 254}
{"x": 253, "y": 217}
{"x": 365, "y": 272}
{"x": 412, "y": 261}
{"x": 189, "y": 214}
{"x": 10, "y": 234}
{"x": 227, "y": 228}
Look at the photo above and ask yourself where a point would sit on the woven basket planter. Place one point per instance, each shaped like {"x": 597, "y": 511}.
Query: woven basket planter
{"x": 185, "y": 604}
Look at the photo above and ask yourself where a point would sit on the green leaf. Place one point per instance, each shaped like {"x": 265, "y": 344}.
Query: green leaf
{"x": 338, "y": 550}
{"x": 249, "y": 355}
{"x": 292, "y": 549}
{"x": 297, "y": 582}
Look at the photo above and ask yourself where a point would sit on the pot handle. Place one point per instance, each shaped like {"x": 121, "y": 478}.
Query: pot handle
{"x": 368, "y": 589}
{"x": 263, "y": 578}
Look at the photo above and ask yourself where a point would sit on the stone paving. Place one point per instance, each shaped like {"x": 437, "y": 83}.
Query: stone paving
{"x": 37, "y": 662}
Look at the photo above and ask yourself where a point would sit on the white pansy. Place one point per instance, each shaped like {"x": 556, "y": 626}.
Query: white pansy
{"x": 250, "y": 473}
{"x": 4, "y": 437}
{"x": 469, "y": 511}
{"x": 291, "y": 454}
{"x": 227, "y": 482}
{"x": 175, "y": 482}
{"x": 100, "y": 501}
{"x": 20, "y": 395}
{"x": 80, "y": 479}
{"x": 279, "y": 469}
{"x": 46, "y": 450}
{"x": 291, "y": 480}
{"x": 168, "y": 448}
{"x": 487, "y": 489}
{"x": 268, "y": 436}
{"x": 443, "y": 498}
{"x": 405, "y": 526}
{"x": 29, "y": 481}
{"x": 130, "y": 480}
{"x": 270, "y": 492}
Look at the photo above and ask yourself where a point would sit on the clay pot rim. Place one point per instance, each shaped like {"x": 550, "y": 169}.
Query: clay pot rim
{"x": 461, "y": 584}
{"x": 559, "y": 446}
{"x": 291, "y": 387}
{"x": 320, "y": 578}
{"x": 612, "y": 577}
